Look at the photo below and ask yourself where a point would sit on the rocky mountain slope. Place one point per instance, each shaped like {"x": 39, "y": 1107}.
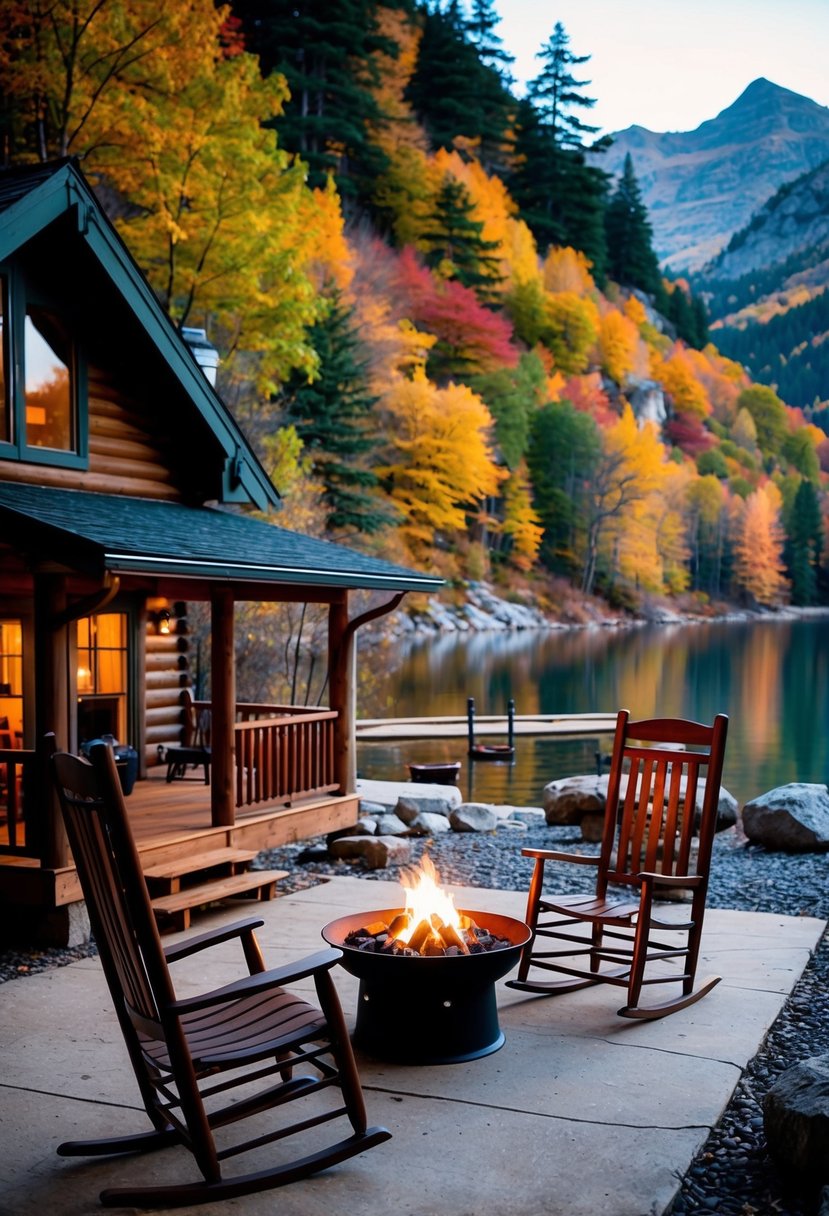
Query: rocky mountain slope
{"x": 702, "y": 186}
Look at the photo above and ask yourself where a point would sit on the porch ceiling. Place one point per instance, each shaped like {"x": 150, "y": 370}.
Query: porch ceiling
{"x": 94, "y": 533}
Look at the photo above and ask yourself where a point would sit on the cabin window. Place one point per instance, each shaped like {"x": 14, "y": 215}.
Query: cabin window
{"x": 102, "y": 676}
{"x": 48, "y": 398}
{"x": 40, "y": 419}
{"x": 11, "y": 683}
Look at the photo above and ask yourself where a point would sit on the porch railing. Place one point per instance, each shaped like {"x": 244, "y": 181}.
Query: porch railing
{"x": 283, "y": 752}
{"x": 16, "y": 773}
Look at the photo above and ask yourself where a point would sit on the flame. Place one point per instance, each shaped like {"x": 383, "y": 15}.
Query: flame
{"x": 424, "y": 898}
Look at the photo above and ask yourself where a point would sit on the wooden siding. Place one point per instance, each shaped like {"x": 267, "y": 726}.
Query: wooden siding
{"x": 166, "y": 676}
{"x": 126, "y": 453}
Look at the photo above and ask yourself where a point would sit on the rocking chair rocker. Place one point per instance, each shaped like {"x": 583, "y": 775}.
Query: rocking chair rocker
{"x": 650, "y": 818}
{"x": 182, "y": 1050}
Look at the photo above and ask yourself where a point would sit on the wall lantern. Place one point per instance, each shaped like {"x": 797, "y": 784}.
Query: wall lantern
{"x": 162, "y": 621}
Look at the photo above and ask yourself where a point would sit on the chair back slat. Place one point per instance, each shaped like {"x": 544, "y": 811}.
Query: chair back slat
{"x": 113, "y": 883}
{"x": 658, "y": 812}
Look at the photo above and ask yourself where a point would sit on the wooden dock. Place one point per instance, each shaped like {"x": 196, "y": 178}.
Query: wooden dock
{"x": 563, "y": 725}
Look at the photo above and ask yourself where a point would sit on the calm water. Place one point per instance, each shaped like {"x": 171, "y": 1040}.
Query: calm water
{"x": 771, "y": 678}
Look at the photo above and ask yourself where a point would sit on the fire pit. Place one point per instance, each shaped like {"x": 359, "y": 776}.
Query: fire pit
{"x": 427, "y": 1008}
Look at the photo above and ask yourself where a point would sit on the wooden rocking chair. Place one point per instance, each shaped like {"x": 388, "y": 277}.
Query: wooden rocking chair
{"x": 650, "y": 819}
{"x": 179, "y": 1047}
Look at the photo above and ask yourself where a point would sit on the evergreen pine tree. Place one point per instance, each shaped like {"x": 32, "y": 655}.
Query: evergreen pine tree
{"x": 454, "y": 243}
{"x": 331, "y": 415}
{"x": 631, "y": 260}
{"x": 561, "y": 197}
{"x": 471, "y": 100}
{"x": 805, "y": 543}
{"x": 481, "y": 30}
{"x": 329, "y": 68}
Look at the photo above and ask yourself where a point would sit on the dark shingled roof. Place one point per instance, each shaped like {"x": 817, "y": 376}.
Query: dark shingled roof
{"x": 97, "y": 532}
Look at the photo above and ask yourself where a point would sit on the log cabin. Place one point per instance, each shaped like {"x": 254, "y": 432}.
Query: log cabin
{"x": 126, "y": 490}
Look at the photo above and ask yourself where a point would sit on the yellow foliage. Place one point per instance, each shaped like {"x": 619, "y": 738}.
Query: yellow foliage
{"x": 635, "y": 311}
{"x": 677, "y": 375}
{"x": 569, "y": 331}
{"x": 400, "y": 130}
{"x": 567, "y": 269}
{"x": 330, "y": 257}
{"x": 521, "y": 522}
{"x": 439, "y": 463}
{"x": 617, "y": 343}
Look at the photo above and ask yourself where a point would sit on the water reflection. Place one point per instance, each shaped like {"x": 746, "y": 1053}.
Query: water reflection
{"x": 771, "y": 678}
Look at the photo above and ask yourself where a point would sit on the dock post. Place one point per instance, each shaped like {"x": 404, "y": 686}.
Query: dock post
{"x": 511, "y": 722}
{"x": 470, "y": 721}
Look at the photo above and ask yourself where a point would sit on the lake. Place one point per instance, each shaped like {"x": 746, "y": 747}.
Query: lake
{"x": 770, "y": 676}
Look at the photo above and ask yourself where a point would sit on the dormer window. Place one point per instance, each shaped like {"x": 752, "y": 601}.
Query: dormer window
{"x": 40, "y": 420}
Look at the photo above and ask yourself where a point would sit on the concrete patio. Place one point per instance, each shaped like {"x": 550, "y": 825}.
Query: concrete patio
{"x": 579, "y": 1113}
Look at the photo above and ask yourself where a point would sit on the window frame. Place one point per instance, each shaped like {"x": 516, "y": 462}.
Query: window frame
{"x": 17, "y": 295}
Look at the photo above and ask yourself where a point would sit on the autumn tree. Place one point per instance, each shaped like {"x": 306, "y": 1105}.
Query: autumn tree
{"x": 563, "y": 455}
{"x": 512, "y": 395}
{"x": 618, "y": 341}
{"x": 520, "y": 530}
{"x": 758, "y": 547}
{"x": 769, "y": 415}
{"x": 707, "y": 532}
{"x": 439, "y": 464}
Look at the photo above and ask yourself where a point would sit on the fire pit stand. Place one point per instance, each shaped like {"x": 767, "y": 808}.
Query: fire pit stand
{"x": 428, "y": 1010}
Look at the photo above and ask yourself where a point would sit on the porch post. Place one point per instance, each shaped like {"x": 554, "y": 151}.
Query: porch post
{"x": 51, "y": 714}
{"x": 342, "y": 692}
{"x": 223, "y": 707}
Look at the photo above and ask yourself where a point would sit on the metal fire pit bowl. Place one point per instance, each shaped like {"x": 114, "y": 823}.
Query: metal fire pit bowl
{"x": 428, "y": 1010}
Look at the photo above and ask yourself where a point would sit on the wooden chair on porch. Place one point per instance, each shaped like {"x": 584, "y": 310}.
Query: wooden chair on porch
{"x": 617, "y": 936}
{"x": 195, "y": 746}
{"x": 188, "y": 1053}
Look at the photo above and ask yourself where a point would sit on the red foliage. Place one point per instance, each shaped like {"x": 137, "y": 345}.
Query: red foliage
{"x": 481, "y": 339}
{"x": 687, "y": 432}
{"x": 586, "y": 394}
{"x": 231, "y": 37}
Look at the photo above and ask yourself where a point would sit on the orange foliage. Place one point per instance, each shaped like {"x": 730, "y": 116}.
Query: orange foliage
{"x": 567, "y": 269}
{"x": 678, "y": 377}
{"x": 758, "y": 546}
{"x": 617, "y": 344}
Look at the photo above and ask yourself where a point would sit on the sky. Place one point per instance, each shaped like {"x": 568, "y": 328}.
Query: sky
{"x": 671, "y": 64}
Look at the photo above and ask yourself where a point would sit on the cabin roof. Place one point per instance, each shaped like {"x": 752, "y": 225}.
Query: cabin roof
{"x": 33, "y": 197}
{"x": 95, "y": 533}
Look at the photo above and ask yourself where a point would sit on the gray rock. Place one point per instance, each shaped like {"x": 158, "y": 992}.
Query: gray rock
{"x": 473, "y": 817}
{"x": 792, "y": 818}
{"x": 796, "y": 1117}
{"x": 390, "y": 825}
{"x": 372, "y": 808}
{"x": 503, "y": 812}
{"x": 511, "y": 825}
{"x": 428, "y": 824}
{"x": 376, "y": 851}
{"x": 409, "y": 807}
{"x": 532, "y": 816}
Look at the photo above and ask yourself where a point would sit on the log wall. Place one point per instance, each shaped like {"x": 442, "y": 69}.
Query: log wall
{"x": 126, "y": 453}
{"x": 167, "y": 675}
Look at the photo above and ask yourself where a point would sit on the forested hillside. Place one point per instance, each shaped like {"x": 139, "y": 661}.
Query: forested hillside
{"x": 441, "y": 321}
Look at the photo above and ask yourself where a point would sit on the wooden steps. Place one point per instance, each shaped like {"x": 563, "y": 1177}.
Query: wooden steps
{"x": 165, "y": 877}
{"x": 174, "y": 897}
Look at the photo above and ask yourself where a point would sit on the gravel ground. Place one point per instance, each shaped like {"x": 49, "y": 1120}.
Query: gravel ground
{"x": 734, "y": 1174}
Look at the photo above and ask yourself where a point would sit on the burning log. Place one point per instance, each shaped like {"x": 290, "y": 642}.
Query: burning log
{"x": 428, "y": 938}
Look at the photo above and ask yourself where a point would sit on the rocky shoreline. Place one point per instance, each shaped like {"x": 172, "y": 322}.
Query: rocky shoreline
{"x": 734, "y": 1174}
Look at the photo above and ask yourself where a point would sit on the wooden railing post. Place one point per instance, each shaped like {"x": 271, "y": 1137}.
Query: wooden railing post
{"x": 223, "y": 701}
{"x": 342, "y": 694}
{"x": 45, "y": 832}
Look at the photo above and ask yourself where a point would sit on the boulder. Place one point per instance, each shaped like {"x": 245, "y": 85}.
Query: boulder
{"x": 796, "y": 1117}
{"x": 791, "y": 818}
{"x": 376, "y": 851}
{"x": 567, "y": 800}
{"x": 428, "y": 824}
{"x": 409, "y": 807}
{"x": 473, "y": 817}
{"x": 532, "y": 816}
{"x": 372, "y": 808}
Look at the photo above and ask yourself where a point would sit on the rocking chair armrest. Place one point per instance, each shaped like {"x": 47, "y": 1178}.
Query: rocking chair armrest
{"x": 669, "y": 880}
{"x": 579, "y": 859}
{"x": 260, "y": 981}
{"x": 211, "y": 938}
